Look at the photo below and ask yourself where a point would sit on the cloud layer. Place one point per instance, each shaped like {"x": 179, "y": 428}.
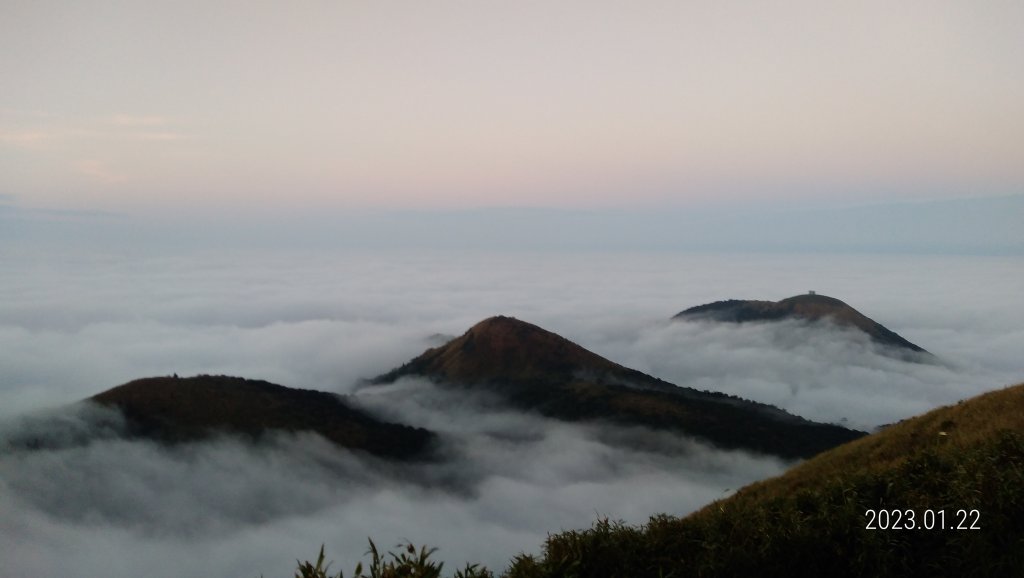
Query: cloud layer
{"x": 507, "y": 479}
{"x": 74, "y": 325}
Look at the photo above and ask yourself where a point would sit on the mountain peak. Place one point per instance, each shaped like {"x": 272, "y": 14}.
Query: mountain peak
{"x": 498, "y": 322}
{"x": 173, "y": 409}
{"x": 807, "y": 307}
{"x": 502, "y": 348}
{"x": 535, "y": 369}
{"x": 507, "y": 335}
{"x": 812, "y": 299}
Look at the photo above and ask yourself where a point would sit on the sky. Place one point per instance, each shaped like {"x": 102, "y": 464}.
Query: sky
{"x": 284, "y": 110}
{"x": 312, "y": 193}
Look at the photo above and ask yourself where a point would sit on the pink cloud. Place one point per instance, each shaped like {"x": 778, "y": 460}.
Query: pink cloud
{"x": 100, "y": 171}
{"x": 25, "y": 138}
{"x": 139, "y": 120}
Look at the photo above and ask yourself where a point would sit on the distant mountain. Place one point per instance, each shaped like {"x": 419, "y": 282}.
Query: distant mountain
{"x": 809, "y": 307}
{"x": 535, "y": 369}
{"x": 173, "y": 409}
{"x": 938, "y": 495}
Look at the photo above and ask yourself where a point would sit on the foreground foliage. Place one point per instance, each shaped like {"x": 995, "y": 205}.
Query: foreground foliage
{"x": 408, "y": 563}
{"x": 822, "y": 532}
{"x": 812, "y": 521}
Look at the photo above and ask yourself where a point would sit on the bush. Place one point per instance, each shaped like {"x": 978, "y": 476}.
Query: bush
{"x": 408, "y": 563}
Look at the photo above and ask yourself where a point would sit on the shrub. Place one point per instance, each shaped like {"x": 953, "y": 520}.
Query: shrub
{"x": 408, "y": 563}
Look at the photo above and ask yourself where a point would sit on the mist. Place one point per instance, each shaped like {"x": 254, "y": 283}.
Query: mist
{"x": 75, "y": 324}
{"x": 504, "y": 481}
{"x": 979, "y": 225}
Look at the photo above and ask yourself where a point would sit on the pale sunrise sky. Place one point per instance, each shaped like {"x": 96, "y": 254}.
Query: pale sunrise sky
{"x": 205, "y": 105}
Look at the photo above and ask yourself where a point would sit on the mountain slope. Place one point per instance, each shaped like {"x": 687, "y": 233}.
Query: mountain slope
{"x": 538, "y": 370}
{"x": 940, "y": 475}
{"x": 506, "y": 351}
{"x": 176, "y": 409}
{"x": 810, "y": 307}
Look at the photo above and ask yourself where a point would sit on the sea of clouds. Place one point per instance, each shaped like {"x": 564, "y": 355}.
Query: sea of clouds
{"x": 76, "y": 323}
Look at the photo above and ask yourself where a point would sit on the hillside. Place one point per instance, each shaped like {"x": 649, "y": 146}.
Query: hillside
{"x": 538, "y": 370}
{"x": 810, "y": 307}
{"x": 963, "y": 463}
{"x": 173, "y": 409}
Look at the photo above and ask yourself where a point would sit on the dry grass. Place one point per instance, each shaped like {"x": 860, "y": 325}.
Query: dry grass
{"x": 948, "y": 429}
{"x": 812, "y": 520}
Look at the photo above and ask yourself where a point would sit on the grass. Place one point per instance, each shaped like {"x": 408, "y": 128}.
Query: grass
{"x": 811, "y": 521}
{"x": 407, "y": 563}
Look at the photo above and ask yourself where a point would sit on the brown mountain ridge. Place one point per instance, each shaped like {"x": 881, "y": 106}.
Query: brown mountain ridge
{"x": 535, "y": 369}
{"x": 173, "y": 410}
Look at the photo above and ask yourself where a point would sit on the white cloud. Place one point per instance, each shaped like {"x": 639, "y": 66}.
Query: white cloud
{"x": 77, "y": 323}
{"x": 497, "y": 493}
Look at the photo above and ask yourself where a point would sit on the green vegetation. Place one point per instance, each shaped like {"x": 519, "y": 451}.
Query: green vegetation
{"x": 812, "y": 521}
{"x": 821, "y": 531}
{"x": 408, "y": 563}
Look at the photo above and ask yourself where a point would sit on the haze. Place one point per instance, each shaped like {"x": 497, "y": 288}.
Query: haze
{"x": 76, "y": 323}
{"x": 193, "y": 107}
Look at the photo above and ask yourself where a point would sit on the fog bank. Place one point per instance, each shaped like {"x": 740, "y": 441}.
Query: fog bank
{"x": 75, "y": 324}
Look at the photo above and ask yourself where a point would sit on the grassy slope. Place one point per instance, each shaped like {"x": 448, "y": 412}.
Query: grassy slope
{"x": 811, "y": 520}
